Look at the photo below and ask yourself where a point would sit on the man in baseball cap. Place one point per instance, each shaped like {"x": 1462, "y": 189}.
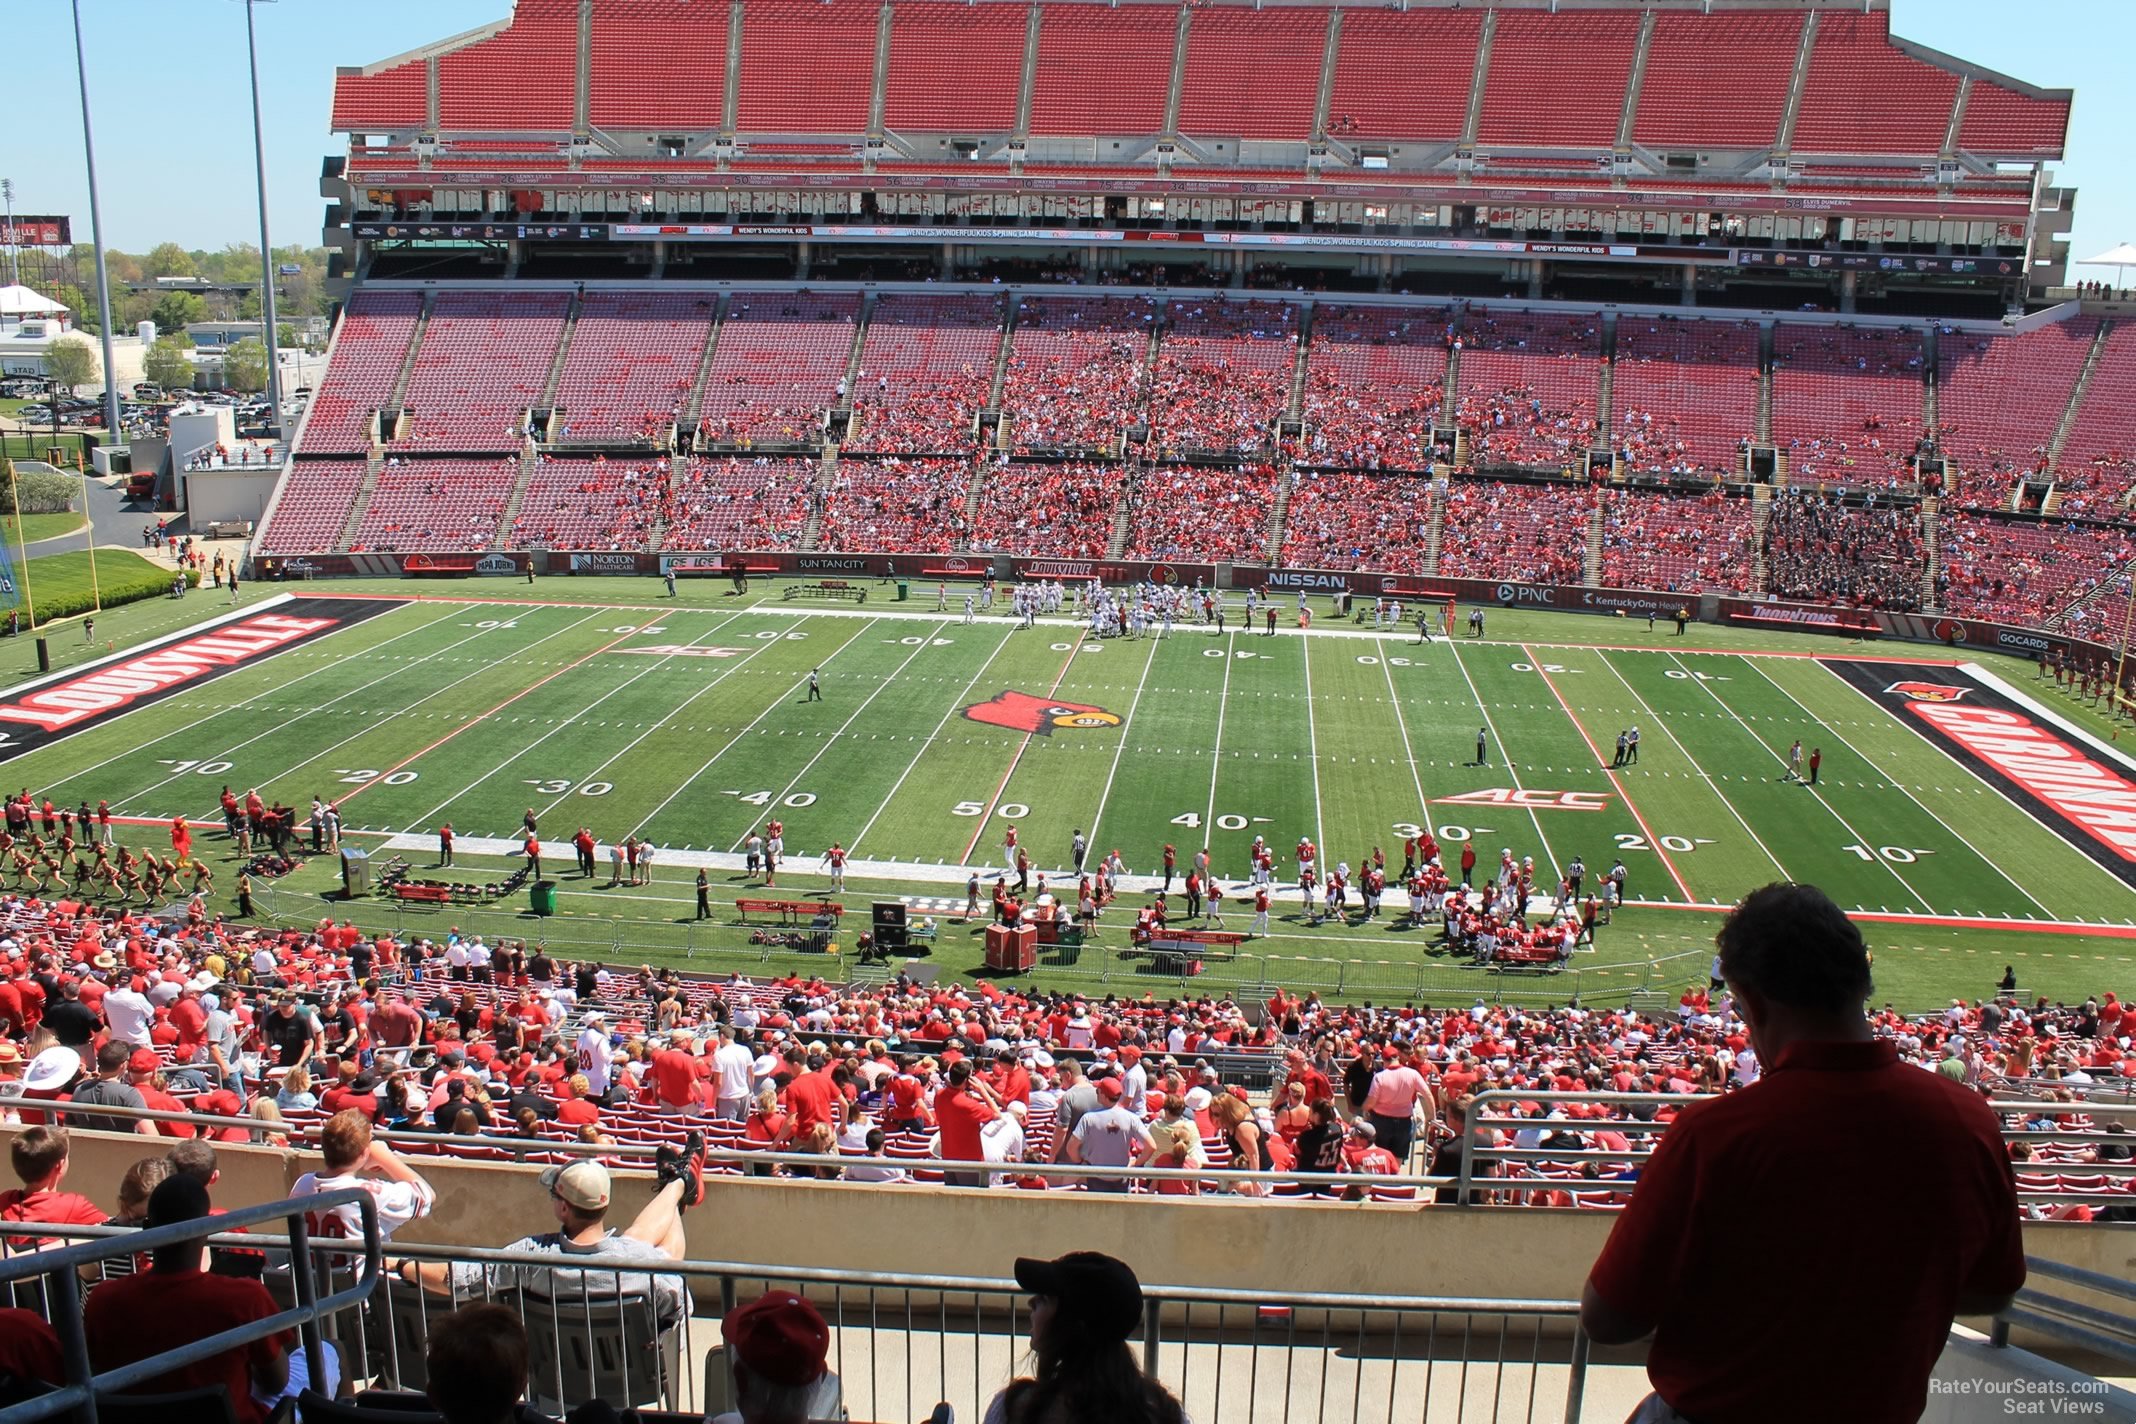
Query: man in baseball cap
{"x": 777, "y": 1345}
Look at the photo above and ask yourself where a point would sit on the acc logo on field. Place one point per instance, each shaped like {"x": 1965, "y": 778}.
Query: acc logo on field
{"x": 1928, "y": 691}
{"x": 1021, "y": 712}
{"x": 1527, "y": 798}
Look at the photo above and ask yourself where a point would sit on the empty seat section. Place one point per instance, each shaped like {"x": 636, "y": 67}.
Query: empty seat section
{"x": 1558, "y": 80}
{"x": 576, "y": 502}
{"x": 657, "y": 64}
{"x": 808, "y": 67}
{"x": 1820, "y": 548}
{"x": 390, "y": 99}
{"x": 1847, "y": 402}
{"x": 2103, "y": 614}
{"x": 1223, "y": 374}
{"x": 2098, "y": 461}
{"x": 1062, "y": 511}
{"x": 895, "y": 505}
{"x": 2000, "y": 400}
{"x": 1252, "y": 73}
{"x": 2026, "y": 570}
{"x": 1404, "y": 75}
{"x": 1339, "y": 520}
{"x": 1864, "y": 96}
{"x": 1686, "y": 99}
{"x": 1529, "y": 383}
{"x": 777, "y": 367}
{"x": 1103, "y": 70}
{"x": 519, "y": 78}
{"x": 2004, "y": 122}
{"x": 1075, "y": 374}
{"x": 739, "y": 504}
{"x": 1673, "y": 542}
{"x": 633, "y": 358}
{"x": 954, "y": 67}
{"x": 484, "y": 360}
{"x": 1375, "y": 379}
{"x": 926, "y": 367}
{"x": 1201, "y": 513}
{"x": 436, "y": 504}
{"x": 1684, "y": 396}
{"x": 314, "y": 508}
{"x": 368, "y": 354}
{"x": 1537, "y": 533}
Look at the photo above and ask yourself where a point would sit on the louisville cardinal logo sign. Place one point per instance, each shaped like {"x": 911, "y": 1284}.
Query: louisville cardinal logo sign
{"x": 1927, "y": 691}
{"x": 1021, "y": 712}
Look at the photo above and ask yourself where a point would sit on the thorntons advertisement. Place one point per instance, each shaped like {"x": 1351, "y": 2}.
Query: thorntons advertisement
{"x": 2071, "y": 784}
{"x": 45, "y": 712}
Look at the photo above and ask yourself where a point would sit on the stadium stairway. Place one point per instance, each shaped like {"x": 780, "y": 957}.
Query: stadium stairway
{"x": 528, "y": 461}
{"x": 563, "y": 353}
{"x": 1116, "y": 544}
{"x": 1591, "y": 573}
{"x": 362, "y": 503}
{"x": 1294, "y": 409}
{"x": 1272, "y": 540}
{"x": 826, "y": 477}
{"x": 981, "y": 468}
{"x": 1932, "y": 550}
{"x": 693, "y": 409}
{"x": 1764, "y": 430}
{"x": 1001, "y": 368}
{"x": 400, "y": 383}
{"x": 842, "y": 416}
{"x": 1437, "y": 531}
{"x": 1761, "y": 513}
{"x": 2076, "y": 397}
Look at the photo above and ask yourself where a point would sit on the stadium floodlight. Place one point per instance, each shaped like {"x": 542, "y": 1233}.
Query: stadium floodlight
{"x": 96, "y": 238}
{"x": 269, "y": 327}
{"x": 14, "y": 265}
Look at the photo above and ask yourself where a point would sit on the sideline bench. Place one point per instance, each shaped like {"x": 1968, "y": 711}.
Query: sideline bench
{"x": 1541, "y": 956}
{"x": 790, "y": 912}
{"x": 828, "y": 588}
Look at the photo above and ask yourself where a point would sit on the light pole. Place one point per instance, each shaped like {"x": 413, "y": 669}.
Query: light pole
{"x": 14, "y": 266}
{"x": 267, "y": 313}
{"x": 96, "y": 240}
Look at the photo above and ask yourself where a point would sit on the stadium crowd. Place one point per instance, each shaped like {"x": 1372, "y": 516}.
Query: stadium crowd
{"x": 1820, "y": 548}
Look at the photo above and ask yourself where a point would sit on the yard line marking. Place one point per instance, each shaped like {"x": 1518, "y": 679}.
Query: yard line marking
{"x": 220, "y": 709}
{"x": 735, "y": 740}
{"x": 1662, "y": 725}
{"x": 1312, "y": 739}
{"x": 832, "y": 739}
{"x": 2011, "y": 879}
{"x": 1534, "y": 818}
{"x": 963, "y": 701}
{"x": 1630, "y": 805}
{"x": 1216, "y": 753}
{"x": 429, "y": 694}
{"x": 1416, "y": 777}
{"x": 1105, "y": 796}
{"x": 1060, "y": 677}
{"x": 724, "y": 673}
{"x": 478, "y": 721}
{"x": 1776, "y": 756}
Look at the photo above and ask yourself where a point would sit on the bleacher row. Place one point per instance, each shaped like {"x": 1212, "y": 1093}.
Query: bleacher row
{"x": 808, "y": 67}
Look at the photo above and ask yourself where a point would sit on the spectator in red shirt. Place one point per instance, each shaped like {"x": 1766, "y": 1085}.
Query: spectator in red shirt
{"x": 674, "y": 1075}
{"x": 1928, "y": 1195}
{"x": 815, "y": 1098}
{"x": 174, "y": 1303}
{"x": 39, "y": 1157}
{"x": 967, "y": 1104}
{"x": 579, "y": 1107}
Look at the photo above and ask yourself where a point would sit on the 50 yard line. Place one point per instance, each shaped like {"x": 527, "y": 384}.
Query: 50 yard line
{"x": 962, "y": 701}
{"x": 1021, "y": 747}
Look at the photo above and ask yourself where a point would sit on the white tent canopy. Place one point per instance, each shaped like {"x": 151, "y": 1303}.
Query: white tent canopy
{"x": 19, "y": 301}
{"x": 2122, "y": 256}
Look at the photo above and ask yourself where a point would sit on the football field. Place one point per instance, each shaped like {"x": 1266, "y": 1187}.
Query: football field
{"x": 691, "y": 726}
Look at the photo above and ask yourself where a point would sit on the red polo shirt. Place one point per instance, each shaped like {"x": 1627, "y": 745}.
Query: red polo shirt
{"x": 1857, "y": 1196}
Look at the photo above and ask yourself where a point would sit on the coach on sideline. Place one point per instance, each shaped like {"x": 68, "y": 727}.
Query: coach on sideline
{"x": 1864, "y": 1203}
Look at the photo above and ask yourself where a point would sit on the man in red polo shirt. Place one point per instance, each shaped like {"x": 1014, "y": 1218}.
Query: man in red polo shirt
{"x": 674, "y": 1074}
{"x": 965, "y": 1105}
{"x": 1869, "y": 1203}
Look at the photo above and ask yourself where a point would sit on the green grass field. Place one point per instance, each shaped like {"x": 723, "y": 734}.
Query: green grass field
{"x": 686, "y": 723}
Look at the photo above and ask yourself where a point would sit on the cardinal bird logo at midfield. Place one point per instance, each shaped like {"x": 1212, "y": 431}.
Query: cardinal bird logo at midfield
{"x": 1928, "y": 691}
{"x": 1021, "y": 712}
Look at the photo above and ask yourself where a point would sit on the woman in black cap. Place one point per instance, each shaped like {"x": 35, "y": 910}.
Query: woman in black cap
{"x": 1084, "y": 1306}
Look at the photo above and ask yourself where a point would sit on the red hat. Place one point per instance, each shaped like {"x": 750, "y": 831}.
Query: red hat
{"x": 144, "y": 1060}
{"x": 1109, "y": 1090}
{"x": 221, "y": 1102}
{"x": 780, "y": 1337}
{"x": 1131, "y": 1053}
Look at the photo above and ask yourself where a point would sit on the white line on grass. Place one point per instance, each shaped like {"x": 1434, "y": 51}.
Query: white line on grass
{"x": 572, "y": 720}
{"x": 954, "y": 708}
{"x": 1512, "y": 770}
{"x": 1126, "y": 730}
{"x": 1023, "y": 746}
{"x": 1216, "y": 755}
{"x": 1409, "y": 751}
{"x": 1777, "y": 756}
{"x": 1661, "y": 724}
{"x": 1312, "y": 740}
{"x": 724, "y": 673}
{"x": 832, "y": 739}
{"x": 2013, "y": 881}
{"x": 777, "y": 702}
{"x": 279, "y": 687}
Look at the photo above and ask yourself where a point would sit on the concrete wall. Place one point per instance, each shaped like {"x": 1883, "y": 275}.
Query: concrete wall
{"x": 214, "y": 496}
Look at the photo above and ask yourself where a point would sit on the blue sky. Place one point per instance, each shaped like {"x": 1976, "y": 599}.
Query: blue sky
{"x": 173, "y": 115}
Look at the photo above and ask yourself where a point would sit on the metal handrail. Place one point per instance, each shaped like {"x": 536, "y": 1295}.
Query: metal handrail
{"x": 61, "y": 1269}
{"x": 2109, "y": 1332}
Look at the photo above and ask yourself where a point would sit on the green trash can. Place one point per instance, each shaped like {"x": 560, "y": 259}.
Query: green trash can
{"x": 904, "y": 590}
{"x": 541, "y": 897}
